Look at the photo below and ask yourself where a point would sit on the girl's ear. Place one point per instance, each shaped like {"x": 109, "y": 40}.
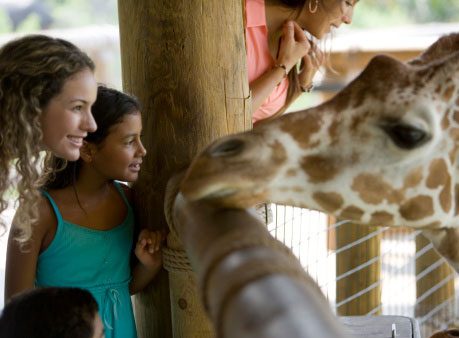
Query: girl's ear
{"x": 87, "y": 152}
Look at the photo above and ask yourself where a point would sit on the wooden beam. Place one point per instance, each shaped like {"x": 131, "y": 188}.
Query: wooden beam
{"x": 185, "y": 61}
{"x": 252, "y": 284}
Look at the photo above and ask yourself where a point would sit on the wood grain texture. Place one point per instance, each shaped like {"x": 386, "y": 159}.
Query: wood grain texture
{"x": 185, "y": 61}
{"x": 359, "y": 280}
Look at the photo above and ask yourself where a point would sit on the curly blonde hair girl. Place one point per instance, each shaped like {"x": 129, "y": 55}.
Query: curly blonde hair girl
{"x": 33, "y": 70}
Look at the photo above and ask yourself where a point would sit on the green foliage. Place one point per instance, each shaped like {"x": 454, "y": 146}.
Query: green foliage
{"x": 66, "y": 13}
{"x": 5, "y": 24}
{"x": 368, "y": 13}
{"x": 388, "y": 13}
{"x": 75, "y": 13}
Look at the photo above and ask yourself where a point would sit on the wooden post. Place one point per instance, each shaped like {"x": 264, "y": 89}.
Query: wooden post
{"x": 185, "y": 61}
{"x": 368, "y": 277}
{"x": 441, "y": 277}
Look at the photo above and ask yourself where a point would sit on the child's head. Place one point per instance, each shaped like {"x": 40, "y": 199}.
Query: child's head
{"x": 51, "y": 313}
{"x": 114, "y": 149}
{"x": 47, "y": 87}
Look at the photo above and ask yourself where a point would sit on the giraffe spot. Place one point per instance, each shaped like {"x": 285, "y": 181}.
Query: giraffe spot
{"x": 302, "y": 130}
{"x": 373, "y": 189}
{"x": 329, "y": 201}
{"x": 456, "y": 195}
{"x": 357, "y": 120}
{"x": 333, "y": 131}
{"x": 417, "y": 208}
{"x": 291, "y": 173}
{"x": 431, "y": 225}
{"x": 454, "y": 134}
{"x": 413, "y": 178}
{"x": 314, "y": 144}
{"x": 438, "y": 89}
{"x": 445, "y": 196}
{"x": 438, "y": 174}
{"x": 456, "y": 116}
{"x": 319, "y": 168}
{"x": 448, "y": 92}
{"x": 452, "y": 156}
{"x": 448, "y": 246}
{"x": 445, "y": 122}
{"x": 352, "y": 212}
{"x": 294, "y": 189}
{"x": 278, "y": 153}
{"x": 381, "y": 218}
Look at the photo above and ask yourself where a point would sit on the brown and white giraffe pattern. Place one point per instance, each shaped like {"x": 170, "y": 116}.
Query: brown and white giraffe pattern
{"x": 349, "y": 157}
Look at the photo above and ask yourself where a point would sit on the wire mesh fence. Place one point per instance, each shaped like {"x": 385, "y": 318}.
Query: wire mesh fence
{"x": 373, "y": 270}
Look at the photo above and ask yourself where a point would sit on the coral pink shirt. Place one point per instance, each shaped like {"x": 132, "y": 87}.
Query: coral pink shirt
{"x": 259, "y": 60}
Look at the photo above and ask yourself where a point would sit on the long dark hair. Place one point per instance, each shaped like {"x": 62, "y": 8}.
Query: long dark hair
{"x": 109, "y": 109}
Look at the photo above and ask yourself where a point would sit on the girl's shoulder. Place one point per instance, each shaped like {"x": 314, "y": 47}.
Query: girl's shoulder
{"x": 45, "y": 223}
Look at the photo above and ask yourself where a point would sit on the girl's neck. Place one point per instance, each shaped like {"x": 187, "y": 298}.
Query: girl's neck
{"x": 91, "y": 182}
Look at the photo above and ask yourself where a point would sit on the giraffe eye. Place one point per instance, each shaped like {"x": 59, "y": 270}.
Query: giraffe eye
{"x": 227, "y": 148}
{"x": 406, "y": 136}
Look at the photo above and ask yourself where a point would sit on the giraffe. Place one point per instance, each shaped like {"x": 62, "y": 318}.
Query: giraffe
{"x": 383, "y": 151}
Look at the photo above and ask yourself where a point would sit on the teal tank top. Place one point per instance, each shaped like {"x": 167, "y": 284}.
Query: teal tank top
{"x": 95, "y": 260}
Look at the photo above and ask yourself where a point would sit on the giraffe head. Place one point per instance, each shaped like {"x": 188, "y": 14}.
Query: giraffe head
{"x": 382, "y": 151}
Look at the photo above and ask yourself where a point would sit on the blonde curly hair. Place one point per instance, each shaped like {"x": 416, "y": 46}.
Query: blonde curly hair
{"x": 33, "y": 70}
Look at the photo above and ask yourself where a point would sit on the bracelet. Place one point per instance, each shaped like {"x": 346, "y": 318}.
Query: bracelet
{"x": 280, "y": 65}
{"x": 307, "y": 89}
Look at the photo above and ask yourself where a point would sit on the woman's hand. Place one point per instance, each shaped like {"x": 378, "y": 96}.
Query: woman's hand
{"x": 293, "y": 45}
{"x": 148, "y": 248}
{"x": 311, "y": 62}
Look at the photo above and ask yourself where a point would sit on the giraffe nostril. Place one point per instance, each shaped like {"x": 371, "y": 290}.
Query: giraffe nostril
{"x": 406, "y": 136}
{"x": 227, "y": 148}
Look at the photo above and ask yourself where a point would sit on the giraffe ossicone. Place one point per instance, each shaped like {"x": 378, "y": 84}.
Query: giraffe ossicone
{"x": 383, "y": 151}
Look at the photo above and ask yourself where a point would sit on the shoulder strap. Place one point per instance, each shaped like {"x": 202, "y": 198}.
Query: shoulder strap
{"x": 121, "y": 191}
{"x": 54, "y": 205}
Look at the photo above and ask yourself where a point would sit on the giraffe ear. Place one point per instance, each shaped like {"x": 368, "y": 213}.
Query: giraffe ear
{"x": 87, "y": 152}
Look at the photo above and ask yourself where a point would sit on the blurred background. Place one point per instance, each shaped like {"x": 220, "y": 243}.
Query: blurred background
{"x": 361, "y": 270}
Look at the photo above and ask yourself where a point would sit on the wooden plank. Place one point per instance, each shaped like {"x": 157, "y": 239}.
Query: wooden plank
{"x": 367, "y": 277}
{"x": 435, "y": 288}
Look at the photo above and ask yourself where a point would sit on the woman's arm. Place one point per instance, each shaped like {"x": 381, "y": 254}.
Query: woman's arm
{"x": 294, "y": 45}
{"x": 21, "y": 260}
{"x": 148, "y": 253}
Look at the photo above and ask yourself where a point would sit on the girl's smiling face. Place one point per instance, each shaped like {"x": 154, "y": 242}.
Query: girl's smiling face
{"x": 120, "y": 154}
{"x": 67, "y": 118}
